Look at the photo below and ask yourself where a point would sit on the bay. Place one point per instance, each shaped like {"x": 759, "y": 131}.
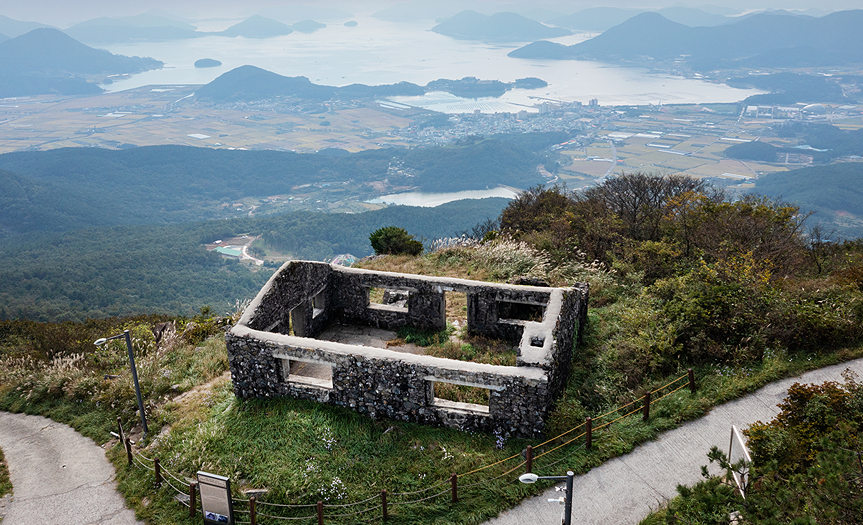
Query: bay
{"x": 381, "y": 52}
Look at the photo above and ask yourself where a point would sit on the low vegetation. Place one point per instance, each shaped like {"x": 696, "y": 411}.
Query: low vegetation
{"x": 681, "y": 277}
{"x": 805, "y": 468}
{"x": 5, "y": 483}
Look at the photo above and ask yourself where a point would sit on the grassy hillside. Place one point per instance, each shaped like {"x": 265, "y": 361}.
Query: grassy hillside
{"x": 680, "y": 277}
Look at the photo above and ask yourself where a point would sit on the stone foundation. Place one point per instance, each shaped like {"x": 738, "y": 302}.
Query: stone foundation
{"x": 303, "y": 297}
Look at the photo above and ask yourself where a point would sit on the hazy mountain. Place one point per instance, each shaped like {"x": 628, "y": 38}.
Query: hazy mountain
{"x": 835, "y": 37}
{"x": 147, "y": 26}
{"x": 502, "y": 27}
{"x": 12, "y": 28}
{"x": 3, "y": 37}
{"x": 257, "y": 27}
{"x": 50, "y": 51}
{"x": 603, "y": 18}
{"x": 596, "y": 18}
{"x": 247, "y": 83}
{"x": 49, "y": 61}
{"x": 294, "y": 13}
{"x": 308, "y": 26}
{"x": 424, "y": 10}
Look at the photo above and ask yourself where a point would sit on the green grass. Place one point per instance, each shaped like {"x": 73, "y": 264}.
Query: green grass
{"x": 5, "y": 483}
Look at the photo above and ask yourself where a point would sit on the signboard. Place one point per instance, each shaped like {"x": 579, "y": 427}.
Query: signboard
{"x": 216, "y": 503}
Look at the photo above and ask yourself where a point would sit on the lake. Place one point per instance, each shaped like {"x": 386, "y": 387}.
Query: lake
{"x": 381, "y": 52}
{"x": 430, "y": 200}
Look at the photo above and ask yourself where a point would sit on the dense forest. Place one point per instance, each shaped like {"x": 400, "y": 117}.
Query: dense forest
{"x": 130, "y": 270}
{"x": 834, "y": 192}
{"x": 65, "y": 189}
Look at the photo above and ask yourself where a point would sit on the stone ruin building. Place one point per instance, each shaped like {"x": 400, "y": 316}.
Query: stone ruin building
{"x": 281, "y": 336}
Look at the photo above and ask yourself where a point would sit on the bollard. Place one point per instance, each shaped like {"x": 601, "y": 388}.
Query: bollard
{"x": 129, "y": 451}
{"x": 320, "y": 513}
{"x": 253, "y": 515}
{"x": 192, "y": 505}
{"x": 691, "y": 381}
{"x": 528, "y": 461}
{"x": 646, "y": 407}
{"x": 158, "y": 470}
{"x": 588, "y": 439}
{"x": 454, "y": 481}
{"x": 384, "y": 503}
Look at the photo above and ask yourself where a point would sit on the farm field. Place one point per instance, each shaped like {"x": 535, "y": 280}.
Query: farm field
{"x": 169, "y": 115}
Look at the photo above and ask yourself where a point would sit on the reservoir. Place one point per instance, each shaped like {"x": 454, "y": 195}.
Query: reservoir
{"x": 428, "y": 200}
{"x": 380, "y": 52}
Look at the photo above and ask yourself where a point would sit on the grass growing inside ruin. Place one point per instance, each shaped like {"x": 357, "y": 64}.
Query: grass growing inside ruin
{"x": 458, "y": 344}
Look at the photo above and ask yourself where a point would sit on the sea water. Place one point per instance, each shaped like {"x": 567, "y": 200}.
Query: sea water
{"x": 381, "y": 52}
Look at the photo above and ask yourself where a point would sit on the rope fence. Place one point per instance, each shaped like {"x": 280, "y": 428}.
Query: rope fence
{"x": 379, "y": 504}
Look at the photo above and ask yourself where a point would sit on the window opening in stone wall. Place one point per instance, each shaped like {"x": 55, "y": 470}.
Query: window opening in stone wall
{"x": 520, "y": 311}
{"x": 462, "y": 397}
{"x": 319, "y": 303}
{"x": 389, "y": 299}
{"x": 308, "y": 373}
{"x": 456, "y": 310}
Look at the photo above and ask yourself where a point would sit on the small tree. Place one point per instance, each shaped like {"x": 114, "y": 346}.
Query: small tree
{"x": 392, "y": 240}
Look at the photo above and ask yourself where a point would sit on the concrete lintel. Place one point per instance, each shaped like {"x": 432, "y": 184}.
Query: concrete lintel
{"x": 496, "y": 388}
{"x": 301, "y": 359}
{"x": 346, "y": 350}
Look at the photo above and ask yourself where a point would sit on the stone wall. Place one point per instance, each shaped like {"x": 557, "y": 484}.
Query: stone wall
{"x": 545, "y": 323}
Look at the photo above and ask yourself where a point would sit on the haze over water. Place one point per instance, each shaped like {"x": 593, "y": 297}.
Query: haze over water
{"x": 380, "y": 52}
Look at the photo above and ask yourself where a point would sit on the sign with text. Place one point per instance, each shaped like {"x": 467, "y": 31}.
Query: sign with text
{"x": 216, "y": 502}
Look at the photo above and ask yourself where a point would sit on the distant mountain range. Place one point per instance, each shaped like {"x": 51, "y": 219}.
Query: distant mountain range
{"x": 602, "y": 18}
{"x": 147, "y": 27}
{"x": 159, "y": 28}
{"x": 257, "y": 27}
{"x": 11, "y": 28}
{"x": 501, "y": 27}
{"x": 754, "y": 41}
{"x": 47, "y": 60}
{"x": 247, "y": 83}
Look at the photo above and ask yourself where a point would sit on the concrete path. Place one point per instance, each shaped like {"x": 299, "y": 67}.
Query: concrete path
{"x": 58, "y": 476}
{"x": 625, "y": 489}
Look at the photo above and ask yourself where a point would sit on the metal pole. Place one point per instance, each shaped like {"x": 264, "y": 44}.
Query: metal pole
{"x": 567, "y": 505}
{"x": 135, "y": 379}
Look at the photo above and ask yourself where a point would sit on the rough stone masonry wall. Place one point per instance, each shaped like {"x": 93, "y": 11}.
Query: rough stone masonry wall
{"x": 384, "y": 383}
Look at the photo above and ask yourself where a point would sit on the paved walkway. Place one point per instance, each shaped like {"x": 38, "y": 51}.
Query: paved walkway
{"x": 625, "y": 489}
{"x": 58, "y": 476}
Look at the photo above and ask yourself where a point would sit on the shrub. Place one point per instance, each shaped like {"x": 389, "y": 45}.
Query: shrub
{"x": 392, "y": 240}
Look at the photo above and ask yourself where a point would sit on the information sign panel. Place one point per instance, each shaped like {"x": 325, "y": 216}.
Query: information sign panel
{"x": 216, "y": 502}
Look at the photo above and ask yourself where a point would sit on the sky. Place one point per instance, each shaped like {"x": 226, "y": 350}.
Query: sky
{"x": 64, "y": 13}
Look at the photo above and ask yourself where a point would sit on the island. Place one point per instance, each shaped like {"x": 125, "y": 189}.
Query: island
{"x": 207, "y": 62}
{"x": 351, "y": 23}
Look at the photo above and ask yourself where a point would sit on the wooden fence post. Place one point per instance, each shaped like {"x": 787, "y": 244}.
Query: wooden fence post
{"x": 384, "y": 503}
{"x": 646, "y": 407}
{"x": 454, "y": 482}
{"x": 320, "y": 513}
{"x": 588, "y": 440}
{"x": 128, "y": 451}
{"x": 120, "y": 429}
{"x": 192, "y": 505}
{"x": 253, "y": 515}
{"x": 528, "y": 467}
{"x": 691, "y": 381}
{"x": 158, "y": 470}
